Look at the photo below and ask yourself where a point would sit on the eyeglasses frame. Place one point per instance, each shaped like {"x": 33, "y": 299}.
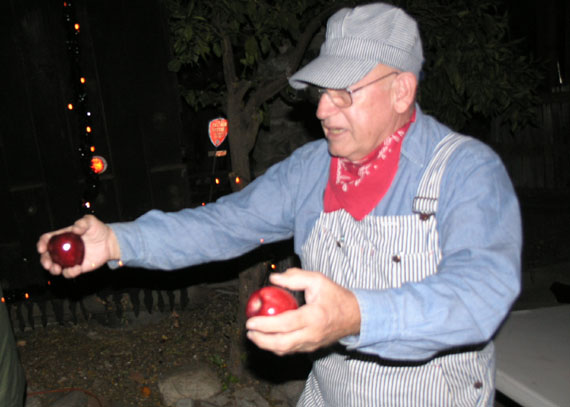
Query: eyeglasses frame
{"x": 350, "y": 91}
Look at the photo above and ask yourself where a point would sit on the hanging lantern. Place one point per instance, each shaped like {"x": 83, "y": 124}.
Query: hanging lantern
{"x": 98, "y": 164}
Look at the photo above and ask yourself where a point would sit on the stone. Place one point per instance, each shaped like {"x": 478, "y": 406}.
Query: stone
{"x": 248, "y": 397}
{"x": 288, "y": 393}
{"x": 73, "y": 399}
{"x": 197, "y": 381}
{"x": 219, "y": 400}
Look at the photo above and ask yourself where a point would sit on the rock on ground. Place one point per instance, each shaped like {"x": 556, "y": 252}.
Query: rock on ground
{"x": 197, "y": 381}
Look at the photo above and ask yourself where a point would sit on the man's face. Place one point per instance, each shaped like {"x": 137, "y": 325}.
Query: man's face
{"x": 354, "y": 132}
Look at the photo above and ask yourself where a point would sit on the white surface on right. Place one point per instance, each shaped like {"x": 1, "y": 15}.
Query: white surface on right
{"x": 533, "y": 357}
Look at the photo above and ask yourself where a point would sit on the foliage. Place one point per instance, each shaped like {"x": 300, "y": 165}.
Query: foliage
{"x": 472, "y": 68}
{"x": 240, "y": 53}
{"x": 261, "y": 32}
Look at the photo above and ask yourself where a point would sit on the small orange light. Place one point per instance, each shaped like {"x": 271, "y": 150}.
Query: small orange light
{"x": 49, "y": 282}
{"x": 273, "y": 267}
{"x": 92, "y": 149}
{"x": 82, "y": 79}
{"x": 3, "y": 300}
{"x": 217, "y": 181}
{"x": 98, "y": 164}
{"x": 88, "y": 129}
{"x": 65, "y": 4}
{"x": 203, "y": 203}
{"x": 238, "y": 180}
{"x": 76, "y": 26}
{"x": 146, "y": 391}
{"x": 87, "y": 204}
{"x": 70, "y": 106}
{"x": 261, "y": 240}
{"x": 27, "y": 296}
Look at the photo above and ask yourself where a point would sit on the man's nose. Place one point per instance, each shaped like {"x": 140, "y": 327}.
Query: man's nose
{"x": 326, "y": 107}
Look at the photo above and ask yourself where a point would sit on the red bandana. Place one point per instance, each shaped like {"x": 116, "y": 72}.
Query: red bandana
{"x": 358, "y": 187}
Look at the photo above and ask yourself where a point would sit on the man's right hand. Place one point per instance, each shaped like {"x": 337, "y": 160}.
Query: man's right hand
{"x": 101, "y": 245}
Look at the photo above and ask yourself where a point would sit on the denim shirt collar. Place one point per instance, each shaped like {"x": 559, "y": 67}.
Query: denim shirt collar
{"x": 419, "y": 143}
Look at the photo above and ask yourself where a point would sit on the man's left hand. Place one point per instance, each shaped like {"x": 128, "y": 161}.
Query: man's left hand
{"x": 331, "y": 312}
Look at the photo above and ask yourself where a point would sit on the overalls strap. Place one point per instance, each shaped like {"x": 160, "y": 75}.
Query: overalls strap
{"x": 425, "y": 202}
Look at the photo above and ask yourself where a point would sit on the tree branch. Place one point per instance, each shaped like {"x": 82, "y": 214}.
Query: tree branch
{"x": 292, "y": 60}
{"x": 296, "y": 54}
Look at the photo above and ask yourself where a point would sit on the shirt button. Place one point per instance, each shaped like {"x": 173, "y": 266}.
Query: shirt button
{"x": 425, "y": 216}
{"x": 478, "y": 385}
{"x": 396, "y": 258}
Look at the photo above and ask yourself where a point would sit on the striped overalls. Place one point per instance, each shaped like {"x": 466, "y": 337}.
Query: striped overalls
{"x": 381, "y": 253}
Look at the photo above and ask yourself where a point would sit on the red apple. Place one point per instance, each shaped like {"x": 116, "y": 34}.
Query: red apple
{"x": 269, "y": 301}
{"x": 66, "y": 249}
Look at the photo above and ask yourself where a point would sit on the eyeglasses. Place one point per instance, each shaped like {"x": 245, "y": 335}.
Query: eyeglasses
{"x": 342, "y": 98}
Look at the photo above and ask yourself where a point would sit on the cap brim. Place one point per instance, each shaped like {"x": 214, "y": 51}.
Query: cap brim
{"x": 331, "y": 72}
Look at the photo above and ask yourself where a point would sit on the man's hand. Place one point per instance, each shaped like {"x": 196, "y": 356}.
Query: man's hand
{"x": 101, "y": 245}
{"x": 331, "y": 312}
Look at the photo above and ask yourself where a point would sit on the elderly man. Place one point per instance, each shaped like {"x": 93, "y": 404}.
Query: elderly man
{"x": 408, "y": 234}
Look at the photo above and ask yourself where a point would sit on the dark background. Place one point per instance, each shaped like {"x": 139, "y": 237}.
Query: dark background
{"x": 135, "y": 114}
{"x": 156, "y": 148}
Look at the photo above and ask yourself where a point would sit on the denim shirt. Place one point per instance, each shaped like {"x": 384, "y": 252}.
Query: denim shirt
{"x": 479, "y": 229}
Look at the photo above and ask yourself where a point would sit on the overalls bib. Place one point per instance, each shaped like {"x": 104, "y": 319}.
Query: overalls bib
{"x": 381, "y": 253}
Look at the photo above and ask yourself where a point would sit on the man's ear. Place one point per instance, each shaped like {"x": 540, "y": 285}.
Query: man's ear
{"x": 404, "y": 91}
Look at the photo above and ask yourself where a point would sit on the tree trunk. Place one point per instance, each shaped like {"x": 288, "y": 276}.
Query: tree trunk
{"x": 249, "y": 280}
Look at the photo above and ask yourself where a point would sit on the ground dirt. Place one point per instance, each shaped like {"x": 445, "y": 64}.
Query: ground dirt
{"x": 121, "y": 365}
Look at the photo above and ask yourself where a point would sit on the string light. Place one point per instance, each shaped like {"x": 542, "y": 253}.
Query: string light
{"x": 238, "y": 180}
{"x": 217, "y": 180}
{"x": 92, "y": 167}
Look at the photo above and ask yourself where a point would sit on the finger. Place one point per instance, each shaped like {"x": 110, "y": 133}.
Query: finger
{"x": 294, "y": 279}
{"x": 49, "y": 265}
{"x": 45, "y": 261}
{"x": 41, "y": 245}
{"x": 277, "y": 343}
{"x": 282, "y": 344}
{"x": 71, "y": 272}
{"x": 287, "y": 321}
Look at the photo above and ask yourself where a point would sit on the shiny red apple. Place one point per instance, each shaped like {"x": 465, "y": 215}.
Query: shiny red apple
{"x": 270, "y": 300}
{"x": 66, "y": 249}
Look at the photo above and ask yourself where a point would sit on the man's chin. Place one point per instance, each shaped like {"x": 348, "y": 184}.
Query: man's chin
{"x": 335, "y": 150}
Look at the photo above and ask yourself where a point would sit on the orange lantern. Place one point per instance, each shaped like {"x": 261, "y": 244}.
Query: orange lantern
{"x": 98, "y": 164}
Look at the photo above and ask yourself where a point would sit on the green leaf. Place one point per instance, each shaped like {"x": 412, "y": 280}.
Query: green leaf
{"x": 174, "y": 65}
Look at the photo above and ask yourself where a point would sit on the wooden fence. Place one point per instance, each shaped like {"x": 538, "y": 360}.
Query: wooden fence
{"x": 539, "y": 157}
